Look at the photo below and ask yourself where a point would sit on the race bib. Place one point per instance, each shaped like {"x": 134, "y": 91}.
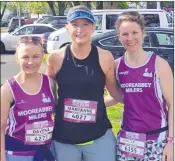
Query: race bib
{"x": 38, "y": 133}
{"x": 80, "y": 111}
{"x": 132, "y": 144}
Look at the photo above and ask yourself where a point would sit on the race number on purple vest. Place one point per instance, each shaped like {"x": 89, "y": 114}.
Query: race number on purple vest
{"x": 38, "y": 133}
{"x": 132, "y": 144}
{"x": 80, "y": 111}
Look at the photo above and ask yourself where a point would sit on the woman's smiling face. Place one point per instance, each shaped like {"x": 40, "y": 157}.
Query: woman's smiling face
{"x": 80, "y": 30}
{"x": 131, "y": 36}
{"x": 29, "y": 57}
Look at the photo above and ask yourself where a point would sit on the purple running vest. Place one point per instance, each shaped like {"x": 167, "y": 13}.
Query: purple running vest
{"x": 144, "y": 104}
{"x": 31, "y": 114}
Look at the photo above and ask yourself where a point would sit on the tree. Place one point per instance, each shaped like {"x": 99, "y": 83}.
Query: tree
{"x": 168, "y": 4}
{"x": 13, "y": 6}
{"x": 88, "y": 4}
{"x": 99, "y": 5}
{"x": 115, "y": 5}
{"x": 62, "y": 5}
{"x": 122, "y": 5}
{"x": 151, "y": 5}
{"x": 37, "y": 7}
{"x": 75, "y": 3}
{"x": 3, "y": 6}
{"x": 52, "y": 8}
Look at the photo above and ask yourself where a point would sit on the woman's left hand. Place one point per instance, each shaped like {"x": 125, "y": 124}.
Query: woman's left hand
{"x": 168, "y": 152}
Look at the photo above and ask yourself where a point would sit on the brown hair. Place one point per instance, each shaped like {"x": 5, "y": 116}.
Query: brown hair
{"x": 131, "y": 16}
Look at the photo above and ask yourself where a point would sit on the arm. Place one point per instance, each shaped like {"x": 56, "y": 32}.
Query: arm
{"x": 114, "y": 92}
{"x": 6, "y": 99}
{"x": 50, "y": 66}
{"x": 54, "y": 90}
{"x": 54, "y": 62}
{"x": 166, "y": 84}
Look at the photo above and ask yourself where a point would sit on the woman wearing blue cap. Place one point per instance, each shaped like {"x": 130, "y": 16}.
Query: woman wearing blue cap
{"x": 82, "y": 70}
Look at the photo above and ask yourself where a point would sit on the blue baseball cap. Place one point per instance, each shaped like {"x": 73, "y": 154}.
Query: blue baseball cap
{"x": 77, "y": 14}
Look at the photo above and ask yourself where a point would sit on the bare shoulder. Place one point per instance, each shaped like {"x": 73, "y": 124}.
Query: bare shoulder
{"x": 55, "y": 61}
{"x": 117, "y": 61}
{"x": 106, "y": 59}
{"x": 6, "y": 93}
{"x": 5, "y": 88}
{"x": 105, "y": 54}
{"x": 57, "y": 55}
{"x": 162, "y": 65}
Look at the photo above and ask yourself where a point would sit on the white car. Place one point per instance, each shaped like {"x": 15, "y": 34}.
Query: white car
{"x": 105, "y": 21}
{"x": 9, "y": 40}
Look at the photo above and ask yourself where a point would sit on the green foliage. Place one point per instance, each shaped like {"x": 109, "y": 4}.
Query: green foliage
{"x": 29, "y": 6}
{"x": 44, "y": 60}
{"x": 3, "y": 4}
{"x": 13, "y": 6}
{"x": 122, "y": 4}
{"x": 115, "y": 114}
{"x": 167, "y": 4}
{"x": 3, "y": 8}
{"x": 9, "y": 6}
{"x": 36, "y": 7}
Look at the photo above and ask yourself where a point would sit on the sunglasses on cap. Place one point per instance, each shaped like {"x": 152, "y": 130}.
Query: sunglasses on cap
{"x": 33, "y": 39}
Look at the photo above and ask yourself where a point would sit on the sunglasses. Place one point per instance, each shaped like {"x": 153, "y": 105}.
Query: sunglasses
{"x": 33, "y": 39}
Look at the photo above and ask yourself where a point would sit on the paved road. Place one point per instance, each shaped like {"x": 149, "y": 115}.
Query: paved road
{"x": 9, "y": 67}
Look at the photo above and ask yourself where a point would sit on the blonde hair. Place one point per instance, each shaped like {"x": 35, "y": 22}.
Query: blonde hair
{"x": 131, "y": 16}
{"x": 26, "y": 44}
{"x": 75, "y": 8}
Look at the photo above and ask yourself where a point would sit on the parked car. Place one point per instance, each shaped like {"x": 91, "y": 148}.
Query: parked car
{"x": 56, "y": 21}
{"x": 105, "y": 21}
{"x": 9, "y": 40}
{"x": 4, "y": 22}
{"x": 14, "y": 23}
{"x": 170, "y": 18}
{"x": 27, "y": 21}
{"x": 39, "y": 20}
{"x": 44, "y": 39}
{"x": 158, "y": 40}
{"x": 33, "y": 19}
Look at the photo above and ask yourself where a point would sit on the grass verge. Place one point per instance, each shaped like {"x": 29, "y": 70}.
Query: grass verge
{"x": 115, "y": 114}
{"x": 44, "y": 60}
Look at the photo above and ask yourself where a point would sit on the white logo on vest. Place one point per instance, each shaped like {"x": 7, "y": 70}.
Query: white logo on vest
{"x": 45, "y": 99}
{"x": 21, "y": 102}
{"x": 147, "y": 74}
{"x": 124, "y": 73}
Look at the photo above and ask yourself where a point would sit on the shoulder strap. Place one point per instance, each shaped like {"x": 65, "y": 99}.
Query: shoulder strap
{"x": 47, "y": 84}
{"x": 152, "y": 60}
{"x": 94, "y": 52}
{"x": 13, "y": 85}
{"x": 67, "y": 53}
